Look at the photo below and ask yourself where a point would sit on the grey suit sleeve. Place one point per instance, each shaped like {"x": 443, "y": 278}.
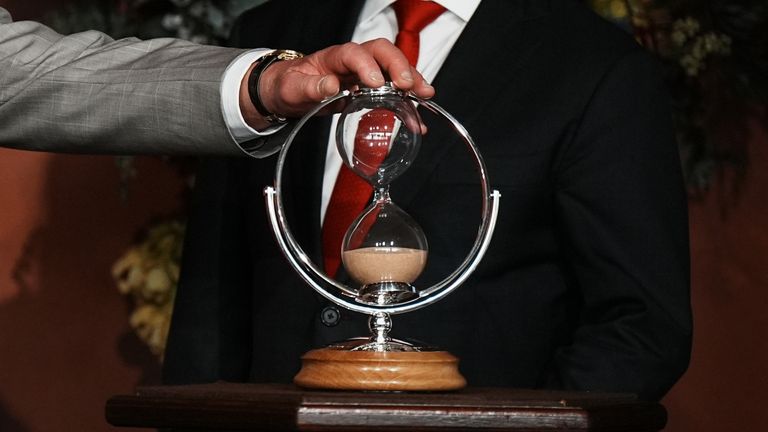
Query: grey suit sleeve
{"x": 88, "y": 93}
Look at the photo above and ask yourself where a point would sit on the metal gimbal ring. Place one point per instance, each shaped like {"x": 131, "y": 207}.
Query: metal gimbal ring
{"x": 321, "y": 283}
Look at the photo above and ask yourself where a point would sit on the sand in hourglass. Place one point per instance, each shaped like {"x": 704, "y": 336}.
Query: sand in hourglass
{"x": 384, "y": 264}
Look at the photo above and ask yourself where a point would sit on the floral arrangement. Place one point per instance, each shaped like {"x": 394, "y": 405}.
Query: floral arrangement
{"x": 716, "y": 58}
{"x": 694, "y": 48}
{"x": 200, "y": 21}
{"x": 148, "y": 273}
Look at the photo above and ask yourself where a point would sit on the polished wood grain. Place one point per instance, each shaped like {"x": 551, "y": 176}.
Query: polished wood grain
{"x": 274, "y": 407}
{"x": 335, "y": 369}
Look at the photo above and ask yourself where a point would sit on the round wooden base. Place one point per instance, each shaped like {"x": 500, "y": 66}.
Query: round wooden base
{"x": 336, "y": 369}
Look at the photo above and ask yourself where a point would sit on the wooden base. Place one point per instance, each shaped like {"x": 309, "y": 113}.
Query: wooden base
{"x": 336, "y": 369}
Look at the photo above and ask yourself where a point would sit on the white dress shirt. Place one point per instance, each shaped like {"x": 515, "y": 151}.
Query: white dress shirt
{"x": 377, "y": 20}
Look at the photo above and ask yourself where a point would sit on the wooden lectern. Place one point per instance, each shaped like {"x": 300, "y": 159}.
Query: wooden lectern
{"x": 274, "y": 407}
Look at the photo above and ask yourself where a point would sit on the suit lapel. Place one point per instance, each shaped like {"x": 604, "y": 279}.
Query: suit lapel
{"x": 486, "y": 60}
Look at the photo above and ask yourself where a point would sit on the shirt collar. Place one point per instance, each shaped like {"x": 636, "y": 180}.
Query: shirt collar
{"x": 461, "y": 8}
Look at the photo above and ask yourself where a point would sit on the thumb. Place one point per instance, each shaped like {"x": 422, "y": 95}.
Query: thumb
{"x": 322, "y": 87}
{"x": 301, "y": 90}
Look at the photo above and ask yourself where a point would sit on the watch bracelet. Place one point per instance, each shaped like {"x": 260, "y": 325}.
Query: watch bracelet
{"x": 255, "y": 78}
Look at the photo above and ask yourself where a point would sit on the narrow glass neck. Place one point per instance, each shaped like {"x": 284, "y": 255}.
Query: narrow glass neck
{"x": 381, "y": 194}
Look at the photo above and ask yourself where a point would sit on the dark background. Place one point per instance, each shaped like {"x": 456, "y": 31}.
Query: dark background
{"x": 66, "y": 346}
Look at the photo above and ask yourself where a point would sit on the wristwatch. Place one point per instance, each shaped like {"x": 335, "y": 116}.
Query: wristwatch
{"x": 253, "y": 81}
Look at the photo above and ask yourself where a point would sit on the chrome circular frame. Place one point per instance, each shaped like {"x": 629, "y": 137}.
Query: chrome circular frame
{"x": 321, "y": 283}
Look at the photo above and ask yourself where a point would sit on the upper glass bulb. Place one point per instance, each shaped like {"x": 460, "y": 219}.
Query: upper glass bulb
{"x": 378, "y": 134}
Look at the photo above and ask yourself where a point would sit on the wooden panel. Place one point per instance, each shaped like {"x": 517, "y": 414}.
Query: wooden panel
{"x": 288, "y": 408}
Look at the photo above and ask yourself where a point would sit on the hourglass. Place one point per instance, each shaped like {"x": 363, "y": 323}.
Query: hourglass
{"x": 384, "y": 250}
{"x": 378, "y": 135}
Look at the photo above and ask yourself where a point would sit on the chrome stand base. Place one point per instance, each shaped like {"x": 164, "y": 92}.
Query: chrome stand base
{"x": 386, "y": 293}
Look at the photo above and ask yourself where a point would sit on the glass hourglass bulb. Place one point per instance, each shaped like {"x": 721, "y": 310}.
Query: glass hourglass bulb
{"x": 378, "y": 136}
{"x": 384, "y": 250}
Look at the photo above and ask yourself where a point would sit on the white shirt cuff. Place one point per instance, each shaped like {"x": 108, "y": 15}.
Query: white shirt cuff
{"x": 230, "y": 97}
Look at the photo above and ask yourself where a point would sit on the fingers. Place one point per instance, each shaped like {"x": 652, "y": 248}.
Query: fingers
{"x": 392, "y": 60}
{"x": 396, "y": 67}
{"x": 370, "y": 63}
{"x": 290, "y": 88}
{"x": 351, "y": 63}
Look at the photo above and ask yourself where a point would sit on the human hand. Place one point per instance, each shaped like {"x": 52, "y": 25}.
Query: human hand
{"x": 290, "y": 88}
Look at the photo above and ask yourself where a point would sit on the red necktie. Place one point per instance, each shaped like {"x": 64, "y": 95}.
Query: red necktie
{"x": 351, "y": 193}
{"x": 412, "y": 17}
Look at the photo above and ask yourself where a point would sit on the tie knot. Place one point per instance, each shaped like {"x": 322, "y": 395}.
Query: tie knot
{"x": 414, "y": 15}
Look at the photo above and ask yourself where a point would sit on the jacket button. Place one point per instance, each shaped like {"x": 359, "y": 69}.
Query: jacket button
{"x": 330, "y": 316}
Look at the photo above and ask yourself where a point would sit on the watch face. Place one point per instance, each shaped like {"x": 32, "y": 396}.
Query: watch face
{"x": 288, "y": 54}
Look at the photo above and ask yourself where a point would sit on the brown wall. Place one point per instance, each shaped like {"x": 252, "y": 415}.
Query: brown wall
{"x": 727, "y": 383}
{"x": 65, "y": 343}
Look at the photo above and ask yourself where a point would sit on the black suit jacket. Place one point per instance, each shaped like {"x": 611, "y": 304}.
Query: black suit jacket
{"x": 585, "y": 285}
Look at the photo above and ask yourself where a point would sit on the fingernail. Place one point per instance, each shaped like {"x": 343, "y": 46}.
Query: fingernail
{"x": 407, "y": 76}
{"x": 376, "y": 76}
{"x": 320, "y": 85}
